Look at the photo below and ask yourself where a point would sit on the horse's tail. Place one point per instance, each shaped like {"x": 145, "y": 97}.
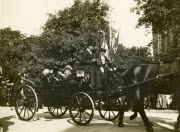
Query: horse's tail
{"x": 132, "y": 117}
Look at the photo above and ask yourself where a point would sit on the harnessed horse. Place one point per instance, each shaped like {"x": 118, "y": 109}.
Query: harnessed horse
{"x": 153, "y": 77}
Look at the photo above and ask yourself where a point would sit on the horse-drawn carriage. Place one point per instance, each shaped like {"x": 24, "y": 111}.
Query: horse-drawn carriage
{"x": 81, "y": 100}
{"x": 73, "y": 94}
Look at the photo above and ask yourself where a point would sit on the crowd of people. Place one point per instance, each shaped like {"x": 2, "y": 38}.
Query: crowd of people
{"x": 159, "y": 102}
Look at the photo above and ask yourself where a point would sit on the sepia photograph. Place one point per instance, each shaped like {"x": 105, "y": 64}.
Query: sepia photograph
{"x": 89, "y": 65}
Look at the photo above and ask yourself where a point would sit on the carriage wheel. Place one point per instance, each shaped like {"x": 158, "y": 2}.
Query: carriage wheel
{"x": 57, "y": 111}
{"x": 109, "y": 109}
{"x": 81, "y": 108}
{"x": 26, "y": 103}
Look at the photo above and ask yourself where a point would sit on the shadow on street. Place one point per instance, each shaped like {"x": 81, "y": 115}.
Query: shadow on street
{"x": 5, "y": 123}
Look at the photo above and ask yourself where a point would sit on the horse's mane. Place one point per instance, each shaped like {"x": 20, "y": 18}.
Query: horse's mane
{"x": 129, "y": 72}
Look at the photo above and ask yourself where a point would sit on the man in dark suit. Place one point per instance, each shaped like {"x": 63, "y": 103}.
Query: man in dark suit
{"x": 88, "y": 62}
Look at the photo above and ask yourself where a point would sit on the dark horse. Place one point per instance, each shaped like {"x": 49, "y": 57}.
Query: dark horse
{"x": 157, "y": 78}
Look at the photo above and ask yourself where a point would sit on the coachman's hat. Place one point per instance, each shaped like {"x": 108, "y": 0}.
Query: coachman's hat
{"x": 91, "y": 42}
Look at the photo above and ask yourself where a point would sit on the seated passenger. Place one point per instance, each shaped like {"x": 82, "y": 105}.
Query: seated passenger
{"x": 56, "y": 74}
{"x": 46, "y": 75}
{"x": 67, "y": 72}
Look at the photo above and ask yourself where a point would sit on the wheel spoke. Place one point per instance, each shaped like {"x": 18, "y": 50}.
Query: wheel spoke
{"x": 53, "y": 110}
{"x": 57, "y": 111}
{"x": 105, "y": 113}
{"x": 28, "y": 112}
{"x": 113, "y": 113}
{"x": 109, "y": 109}
{"x": 80, "y": 113}
{"x": 109, "y": 115}
{"x": 61, "y": 110}
{"x": 80, "y": 117}
{"x": 84, "y": 115}
{"x": 78, "y": 104}
{"x": 87, "y": 113}
{"x": 26, "y": 103}
{"x": 21, "y": 110}
{"x": 25, "y": 112}
{"x": 76, "y": 115}
{"x": 31, "y": 110}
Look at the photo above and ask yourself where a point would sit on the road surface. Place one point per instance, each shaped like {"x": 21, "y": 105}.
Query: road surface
{"x": 43, "y": 122}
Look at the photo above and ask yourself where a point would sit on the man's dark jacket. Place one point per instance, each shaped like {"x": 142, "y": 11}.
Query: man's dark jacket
{"x": 87, "y": 58}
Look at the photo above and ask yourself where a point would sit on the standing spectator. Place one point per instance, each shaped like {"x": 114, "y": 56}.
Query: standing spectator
{"x": 153, "y": 100}
{"x": 164, "y": 101}
{"x": 148, "y": 103}
{"x": 159, "y": 102}
{"x": 169, "y": 101}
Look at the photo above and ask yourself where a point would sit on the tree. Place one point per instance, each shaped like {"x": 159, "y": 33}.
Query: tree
{"x": 66, "y": 33}
{"x": 161, "y": 14}
{"x": 126, "y": 57}
{"x": 164, "y": 18}
{"x": 13, "y": 49}
{"x": 9, "y": 51}
{"x": 64, "y": 36}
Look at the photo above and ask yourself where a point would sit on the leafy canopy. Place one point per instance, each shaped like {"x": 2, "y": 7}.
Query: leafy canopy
{"x": 66, "y": 32}
{"x": 13, "y": 49}
{"x": 160, "y": 14}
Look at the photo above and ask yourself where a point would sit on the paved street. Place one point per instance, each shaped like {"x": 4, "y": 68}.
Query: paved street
{"x": 43, "y": 122}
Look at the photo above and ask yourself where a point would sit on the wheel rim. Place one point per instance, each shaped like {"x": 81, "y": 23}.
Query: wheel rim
{"x": 26, "y": 103}
{"x": 109, "y": 109}
{"x": 57, "y": 111}
{"x": 81, "y": 108}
